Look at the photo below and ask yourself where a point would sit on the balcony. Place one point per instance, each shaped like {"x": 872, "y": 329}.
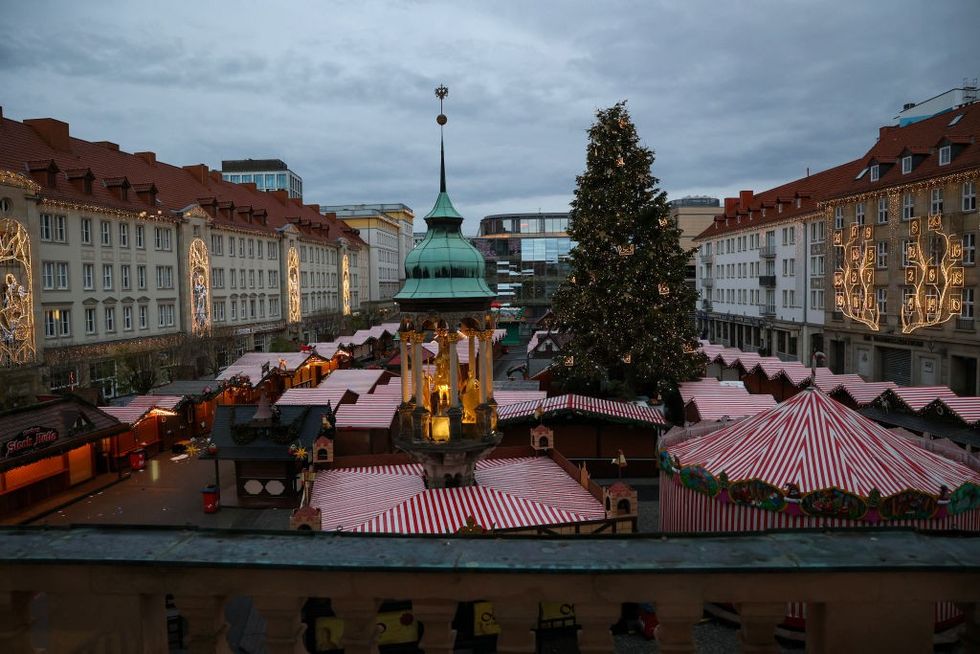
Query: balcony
{"x": 767, "y": 281}
{"x": 706, "y": 305}
{"x": 767, "y": 310}
{"x": 966, "y": 324}
{"x": 707, "y": 258}
{"x": 104, "y": 588}
{"x": 767, "y": 251}
{"x": 707, "y": 282}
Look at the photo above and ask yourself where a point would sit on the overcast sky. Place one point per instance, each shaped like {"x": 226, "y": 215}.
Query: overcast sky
{"x": 730, "y": 95}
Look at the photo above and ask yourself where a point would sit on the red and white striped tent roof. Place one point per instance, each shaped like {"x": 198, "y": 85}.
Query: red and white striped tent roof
{"x": 510, "y": 493}
{"x": 250, "y": 365}
{"x": 726, "y": 404}
{"x": 966, "y": 409}
{"x": 313, "y": 396}
{"x": 369, "y": 412}
{"x": 506, "y": 397}
{"x": 586, "y": 405}
{"x": 359, "y": 381}
{"x": 864, "y": 393}
{"x": 816, "y": 443}
{"x": 916, "y": 398}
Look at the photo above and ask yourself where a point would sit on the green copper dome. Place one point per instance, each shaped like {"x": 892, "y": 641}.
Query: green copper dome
{"x": 444, "y": 270}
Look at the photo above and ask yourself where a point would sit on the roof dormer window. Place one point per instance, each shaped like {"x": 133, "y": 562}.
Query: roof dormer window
{"x": 873, "y": 173}
{"x": 906, "y": 164}
{"x": 799, "y": 202}
{"x": 945, "y": 155}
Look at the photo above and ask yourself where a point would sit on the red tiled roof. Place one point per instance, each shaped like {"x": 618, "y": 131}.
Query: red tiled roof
{"x": 24, "y": 149}
{"x": 810, "y": 190}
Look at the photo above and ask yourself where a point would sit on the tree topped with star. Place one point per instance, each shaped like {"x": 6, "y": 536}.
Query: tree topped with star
{"x": 625, "y": 303}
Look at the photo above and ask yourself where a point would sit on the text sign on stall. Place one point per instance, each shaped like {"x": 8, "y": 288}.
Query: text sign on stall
{"x": 29, "y": 440}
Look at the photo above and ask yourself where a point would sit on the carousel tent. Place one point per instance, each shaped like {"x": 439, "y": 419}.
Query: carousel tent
{"x": 809, "y": 462}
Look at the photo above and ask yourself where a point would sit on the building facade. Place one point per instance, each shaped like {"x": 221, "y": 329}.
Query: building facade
{"x": 527, "y": 258}
{"x": 387, "y": 229}
{"x": 116, "y": 266}
{"x": 266, "y": 174}
{"x": 692, "y": 214}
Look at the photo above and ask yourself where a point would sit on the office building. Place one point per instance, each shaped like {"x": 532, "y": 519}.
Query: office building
{"x": 266, "y": 174}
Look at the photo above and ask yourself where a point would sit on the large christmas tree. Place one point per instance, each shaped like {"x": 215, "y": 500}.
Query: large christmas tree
{"x": 625, "y": 303}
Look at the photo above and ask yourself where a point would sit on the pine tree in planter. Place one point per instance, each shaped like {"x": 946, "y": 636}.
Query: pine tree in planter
{"x": 625, "y": 301}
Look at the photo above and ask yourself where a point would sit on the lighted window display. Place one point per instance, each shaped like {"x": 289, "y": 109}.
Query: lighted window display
{"x": 200, "y": 267}
{"x": 292, "y": 273}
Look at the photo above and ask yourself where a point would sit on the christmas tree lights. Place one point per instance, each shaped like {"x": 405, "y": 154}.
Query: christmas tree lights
{"x": 625, "y": 303}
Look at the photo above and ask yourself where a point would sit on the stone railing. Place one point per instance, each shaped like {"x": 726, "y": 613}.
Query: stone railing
{"x": 104, "y": 588}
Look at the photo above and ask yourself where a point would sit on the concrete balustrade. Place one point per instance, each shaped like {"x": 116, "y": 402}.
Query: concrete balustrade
{"x": 104, "y": 587}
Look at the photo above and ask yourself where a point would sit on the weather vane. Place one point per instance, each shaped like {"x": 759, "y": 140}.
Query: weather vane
{"x": 441, "y": 93}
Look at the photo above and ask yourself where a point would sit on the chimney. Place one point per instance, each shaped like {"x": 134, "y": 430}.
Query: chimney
{"x": 315, "y": 207}
{"x": 108, "y": 145}
{"x": 730, "y": 205}
{"x": 148, "y": 157}
{"x": 744, "y": 199}
{"x": 281, "y": 195}
{"x": 198, "y": 172}
{"x": 53, "y": 132}
{"x": 216, "y": 175}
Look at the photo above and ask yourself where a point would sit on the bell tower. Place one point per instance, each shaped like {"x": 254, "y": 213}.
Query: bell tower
{"x": 447, "y": 415}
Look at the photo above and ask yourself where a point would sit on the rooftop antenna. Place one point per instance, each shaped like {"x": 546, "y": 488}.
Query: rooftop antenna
{"x": 441, "y": 93}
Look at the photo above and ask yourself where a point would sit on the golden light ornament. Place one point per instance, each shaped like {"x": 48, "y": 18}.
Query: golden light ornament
{"x": 192, "y": 449}
{"x": 626, "y": 250}
{"x": 299, "y": 453}
{"x": 663, "y": 288}
{"x": 935, "y": 281}
{"x": 345, "y": 283}
{"x": 292, "y": 275}
{"x": 854, "y": 283}
{"x": 199, "y": 265}
{"x": 17, "y": 345}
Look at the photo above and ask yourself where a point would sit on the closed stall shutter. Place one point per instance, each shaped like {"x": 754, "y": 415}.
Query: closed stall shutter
{"x": 896, "y": 366}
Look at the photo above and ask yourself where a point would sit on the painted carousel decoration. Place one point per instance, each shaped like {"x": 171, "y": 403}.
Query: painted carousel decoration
{"x": 447, "y": 417}
{"x": 292, "y": 277}
{"x": 345, "y": 282}
{"x": 17, "y": 346}
{"x": 933, "y": 276}
{"x": 854, "y": 279}
{"x": 199, "y": 264}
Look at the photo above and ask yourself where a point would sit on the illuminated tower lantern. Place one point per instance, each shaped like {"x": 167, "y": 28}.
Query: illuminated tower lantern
{"x": 448, "y": 417}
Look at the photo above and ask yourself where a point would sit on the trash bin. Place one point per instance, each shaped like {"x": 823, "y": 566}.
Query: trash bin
{"x": 137, "y": 459}
{"x": 211, "y": 498}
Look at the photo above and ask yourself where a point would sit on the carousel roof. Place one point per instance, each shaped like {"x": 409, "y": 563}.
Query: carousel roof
{"x": 814, "y": 442}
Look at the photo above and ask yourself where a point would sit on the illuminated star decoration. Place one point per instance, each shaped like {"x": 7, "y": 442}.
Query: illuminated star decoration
{"x": 192, "y": 449}
{"x": 299, "y": 453}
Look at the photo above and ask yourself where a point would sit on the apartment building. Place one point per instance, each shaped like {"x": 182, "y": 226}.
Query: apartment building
{"x": 692, "y": 214}
{"x": 904, "y": 275}
{"x": 387, "y": 230}
{"x": 107, "y": 256}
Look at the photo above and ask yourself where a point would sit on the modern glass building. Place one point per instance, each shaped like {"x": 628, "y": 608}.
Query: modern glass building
{"x": 266, "y": 174}
{"x": 527, "y": 258}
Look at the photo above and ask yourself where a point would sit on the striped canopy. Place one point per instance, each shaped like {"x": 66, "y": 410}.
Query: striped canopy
{"x": 816, "y": 443}
{"x": 583, "y": 404}
{"x": 510, "y": 493}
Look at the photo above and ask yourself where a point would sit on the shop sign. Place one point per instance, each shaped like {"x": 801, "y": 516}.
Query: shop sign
{"x": 29, "y": 440}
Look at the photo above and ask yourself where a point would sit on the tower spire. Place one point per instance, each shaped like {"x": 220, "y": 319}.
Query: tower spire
{"x": 441, "y": 93}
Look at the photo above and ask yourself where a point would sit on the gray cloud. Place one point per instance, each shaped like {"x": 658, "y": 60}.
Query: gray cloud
{"x": 730, "y": 95}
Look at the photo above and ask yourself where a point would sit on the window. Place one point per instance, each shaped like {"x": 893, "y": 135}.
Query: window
{"x": 124, "y": 235}
{"x": 142, "y": 314}
{"x": 251, "y": 248}
{"x": 859, "y": 213}
{"x": 817, "y": 232}
{"x": 234, "y": 278}
{"x": 874, "y": 173}
{"x": 141, "y": 277}
{"x": 161, "y": 238}
{"x": 908, "y": 206}
{"x": 936, "y": 201}
{"x": 166, "y": 315}
{"x": 882, "y": 210}
{"x": 218, "y": 309}
{"x": 969, "y": 248}
{"x": 785, "y": 299}
{"x": 273, "y": 307}
{"x": 140, "y": 237}
{"x": 217, "y": 245}
{"x": 241, "y": 278}
{"x": 273, "y": 250}
{"x": 258, "y": 252}
{"x": 945, "y": 155}
{"x": 906, "y": 164}
{"x": 792, "y": 298}
{"x": 273, "y": 278}
{"x": 241, "y": 247}
{"x": 882, "y": 251}
{"x": 106, "y": 227}
{"x": 217, "y": 278}
{"x": 969, "y": 196}
{"x": 64, "y": 323}
{"x": 86, "y": 231}
{"x": 234, "y": 309}
{"x": 165, "y": 277}
{"x": 110, "y": 319}
{"x": 90, "y": 321}
{"x": 50, "y": 324}
{"x": 47, "y": 275}
{"x": 838, "y": 217}
{"x": 261, "y": 280}
{"x": 231, "y": 246}
{"x": 251, "y": 279}
{"x": 816, "y": 299}
{"x": 242, "y": 306}
{"x": 966, "y": 309}
{"x": 128, "y": 319}
{"x": 785, "y": 267}
{"x": 881, "y": 296}
{"x": 88, "y": 276}
{"x": 107, "y": 277}
{"x": 46, "y": 220}
{"x": 60, "y": 235}
{"x": 103, "y": 377}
